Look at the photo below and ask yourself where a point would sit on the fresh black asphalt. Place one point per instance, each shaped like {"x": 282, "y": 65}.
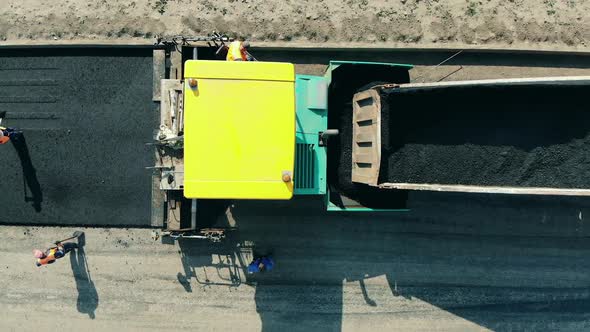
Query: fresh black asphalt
{"x": 86, "y": 114}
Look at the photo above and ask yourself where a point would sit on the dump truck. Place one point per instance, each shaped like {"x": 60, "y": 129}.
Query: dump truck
{"x": 361, "y": 135}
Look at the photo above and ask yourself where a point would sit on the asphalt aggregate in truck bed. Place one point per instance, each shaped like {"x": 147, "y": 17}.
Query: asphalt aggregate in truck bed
{"x": 346, "y": 81}
{"x": 520, "y": 136}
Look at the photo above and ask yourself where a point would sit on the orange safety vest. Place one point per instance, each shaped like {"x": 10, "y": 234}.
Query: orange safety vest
{"x": 236, "y": 51}
{"x": 49, "y": 258}
{"x": 3, "y": 137}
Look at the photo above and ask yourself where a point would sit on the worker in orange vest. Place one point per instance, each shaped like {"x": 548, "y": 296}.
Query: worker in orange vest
{"x": 238, "y": 51}
{"x": 4, "y": 138}
{"x": 6, "y": 133}
{"x": 53, "y": 254}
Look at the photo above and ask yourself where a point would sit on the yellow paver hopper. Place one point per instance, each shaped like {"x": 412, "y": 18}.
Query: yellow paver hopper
{"x": 239, "y": 130}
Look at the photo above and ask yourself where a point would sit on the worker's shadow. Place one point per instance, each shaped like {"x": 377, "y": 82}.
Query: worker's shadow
{"x": 29, "y": 173}
{"x": 87, "y": 295}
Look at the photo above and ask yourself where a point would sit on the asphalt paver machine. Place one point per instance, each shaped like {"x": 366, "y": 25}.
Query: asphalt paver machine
{"x": 239, "y": 131}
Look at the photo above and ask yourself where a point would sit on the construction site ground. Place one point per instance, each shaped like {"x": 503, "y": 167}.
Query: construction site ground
{"x": 463, "y": 262}
{"x": 521, "y": 24}
{"x": 453, "y": 262}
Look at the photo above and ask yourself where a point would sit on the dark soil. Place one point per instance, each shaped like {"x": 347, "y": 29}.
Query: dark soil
{"x": 522, "y": 136}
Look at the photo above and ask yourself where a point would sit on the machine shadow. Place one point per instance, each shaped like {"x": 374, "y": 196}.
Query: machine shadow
{"x": 199, "y": 255}
{"x": 207, "y": 264}
{"x": 500, "y": 262}
{"x": 87, "y": 301}
{"x": 29, "y": 173}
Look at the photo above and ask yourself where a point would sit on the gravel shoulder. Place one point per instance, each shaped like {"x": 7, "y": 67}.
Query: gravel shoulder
{"x": 404, "y": 271}
{"x": 514, "y": 24}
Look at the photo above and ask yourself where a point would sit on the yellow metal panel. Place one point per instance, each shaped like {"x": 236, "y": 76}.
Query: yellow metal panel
{"x": 239, "y": 130}
{"x": 240, "y": 70}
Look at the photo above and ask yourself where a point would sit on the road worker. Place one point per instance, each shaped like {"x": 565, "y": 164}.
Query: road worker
{"x": 4, "y": 135}
{"x": 7, "y": 133}
{"x": 238, "y": 51}
{"x": 54, "y": 253}
{"x": 4, "y": 138}
{"x": 261, "y": 264}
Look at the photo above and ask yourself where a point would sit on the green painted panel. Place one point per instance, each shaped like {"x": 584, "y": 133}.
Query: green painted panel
{"x": 311, "y": 99}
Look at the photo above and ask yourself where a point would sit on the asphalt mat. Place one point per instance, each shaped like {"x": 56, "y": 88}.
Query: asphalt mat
{"x": 86, "y": 114}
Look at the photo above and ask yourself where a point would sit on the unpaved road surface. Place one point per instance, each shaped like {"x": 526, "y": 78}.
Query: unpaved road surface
{"x": 555, "y": 24}
{"x": 466, "y": 264}
{"x": 455, "y": 262}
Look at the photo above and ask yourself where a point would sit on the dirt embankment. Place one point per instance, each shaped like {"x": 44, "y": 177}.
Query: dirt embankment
{"x": 563, "y": 24}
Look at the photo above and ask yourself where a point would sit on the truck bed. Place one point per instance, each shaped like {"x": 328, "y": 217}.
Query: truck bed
{"x": 525, "y": 136}
{"x": 344, "y": 193}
